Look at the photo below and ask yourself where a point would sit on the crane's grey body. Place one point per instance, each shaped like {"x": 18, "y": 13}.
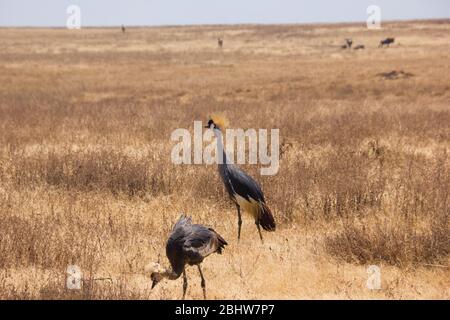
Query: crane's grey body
{"x": 243, "y": 190}
{"x": 237, "y": 182}
{"x": 189, "y": 244}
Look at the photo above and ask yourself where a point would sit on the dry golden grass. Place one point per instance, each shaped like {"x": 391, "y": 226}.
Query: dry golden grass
{"x": 86, "y": 177}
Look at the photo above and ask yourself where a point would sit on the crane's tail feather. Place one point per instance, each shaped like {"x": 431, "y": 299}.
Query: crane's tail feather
{"x": 266, "y": 220}
{"x": 221, "y": 243}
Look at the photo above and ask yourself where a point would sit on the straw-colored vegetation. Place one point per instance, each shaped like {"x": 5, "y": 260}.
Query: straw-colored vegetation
{"x": 86, "y": 176}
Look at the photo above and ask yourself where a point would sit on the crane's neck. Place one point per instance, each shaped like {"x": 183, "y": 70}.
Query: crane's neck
{"x": 220, "y": 148}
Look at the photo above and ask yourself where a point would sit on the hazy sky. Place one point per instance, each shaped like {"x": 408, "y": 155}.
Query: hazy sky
{"x": 175, "y": 12}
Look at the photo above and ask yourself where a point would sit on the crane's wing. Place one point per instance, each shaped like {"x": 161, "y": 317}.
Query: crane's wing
{"x": 244, "y": 185}
{"x": 183, "y": 221}
{"x": 200, "y": 242}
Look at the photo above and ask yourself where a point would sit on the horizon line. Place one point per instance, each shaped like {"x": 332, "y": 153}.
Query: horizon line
{"x": 446, "y": 19}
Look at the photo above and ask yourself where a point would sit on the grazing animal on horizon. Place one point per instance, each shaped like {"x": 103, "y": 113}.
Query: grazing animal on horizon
{"x": 386, "y": 42}
{"x": 349, "y": 42}
{"x": 123, "y": 29}
{"x": 242, "y": 189}
{"x": 220, "y": 42}
{"x": 359, "y": 47}
{"x": 188, "y": 244}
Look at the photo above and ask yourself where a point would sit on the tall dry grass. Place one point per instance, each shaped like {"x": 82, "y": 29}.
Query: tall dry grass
{"x": 86, "y": 177}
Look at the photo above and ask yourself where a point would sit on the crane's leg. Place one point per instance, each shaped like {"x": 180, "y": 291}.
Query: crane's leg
{"x": 203, "y": 284}
{"x": 184, "y": 283}
{"x": 239, "y": 221}
{"x": 259, "y": 230}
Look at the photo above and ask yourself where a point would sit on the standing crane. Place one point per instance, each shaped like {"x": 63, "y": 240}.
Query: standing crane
{"x": 187, "y": 244}
{"x": 242, "y": 189}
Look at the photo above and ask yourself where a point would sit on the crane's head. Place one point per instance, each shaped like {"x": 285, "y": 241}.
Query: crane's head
{"x": 217, "y": 122}
{"x": 211, "y": 124}
{"x": 156, "y": 273}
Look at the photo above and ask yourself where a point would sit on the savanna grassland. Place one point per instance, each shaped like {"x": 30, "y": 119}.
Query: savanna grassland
{"x": 86, "y": 177}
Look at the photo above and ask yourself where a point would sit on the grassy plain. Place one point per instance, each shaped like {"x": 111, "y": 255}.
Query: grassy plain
{"x": 86, "y": 176}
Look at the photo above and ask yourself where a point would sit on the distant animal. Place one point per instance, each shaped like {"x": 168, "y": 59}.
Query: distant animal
{"x": 220, "y": 42}
{"x": 393, "y": 75}
{"x": 188, "y": 244}
{"x": 359, "y": 47}
{"x": 386, "y": 42}
{"x": 349, "y": 42}
{"x": 242, "y": 189}
{"x": 123, "y": 29}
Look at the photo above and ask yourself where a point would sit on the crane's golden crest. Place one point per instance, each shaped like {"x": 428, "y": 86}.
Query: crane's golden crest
{"x": 220, "y": 121}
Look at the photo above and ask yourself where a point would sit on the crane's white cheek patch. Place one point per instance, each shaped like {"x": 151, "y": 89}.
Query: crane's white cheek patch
{"x": 154, "y": 267}
{"x": 251, "y": 207}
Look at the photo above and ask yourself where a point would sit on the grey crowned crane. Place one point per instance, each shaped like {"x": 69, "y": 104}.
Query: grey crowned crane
{"x": 242, "y": 189}
{"x": 188, "y": 244}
